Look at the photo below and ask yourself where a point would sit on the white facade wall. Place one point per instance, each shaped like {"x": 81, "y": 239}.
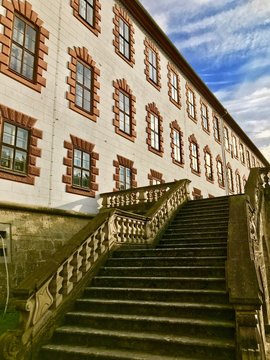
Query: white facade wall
{"x": 58, "y": 122}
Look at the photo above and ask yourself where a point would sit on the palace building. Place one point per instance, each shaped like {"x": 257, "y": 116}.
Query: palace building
{"x": 95, "y": 98}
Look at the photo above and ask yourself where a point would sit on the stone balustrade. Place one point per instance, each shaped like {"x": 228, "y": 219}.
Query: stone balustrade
{"x": 41, "y": 296}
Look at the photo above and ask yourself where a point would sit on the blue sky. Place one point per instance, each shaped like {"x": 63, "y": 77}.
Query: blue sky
{"x": 227, "y": 42}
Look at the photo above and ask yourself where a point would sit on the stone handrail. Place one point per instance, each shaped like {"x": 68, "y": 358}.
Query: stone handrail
{"x": 247, "y": 280}
{"x": 41, "y": 296}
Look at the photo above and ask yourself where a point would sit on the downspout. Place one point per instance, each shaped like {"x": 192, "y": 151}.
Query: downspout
{"x": 223, "y": 150}
{"x": 55, "y": 119}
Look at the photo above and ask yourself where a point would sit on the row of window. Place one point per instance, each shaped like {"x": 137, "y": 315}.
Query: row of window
{"x": 26, "y": 46}
{"x": 15, "y": 156}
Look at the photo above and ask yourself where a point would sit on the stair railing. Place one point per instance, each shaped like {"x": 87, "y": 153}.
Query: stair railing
{"x": 247, "y": 280}
{"x": 41, "y": 298}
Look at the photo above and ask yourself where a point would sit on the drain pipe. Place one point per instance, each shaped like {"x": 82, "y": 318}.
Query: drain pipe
{"x": 7, "y": 273}
{"x": 223, "y": 150}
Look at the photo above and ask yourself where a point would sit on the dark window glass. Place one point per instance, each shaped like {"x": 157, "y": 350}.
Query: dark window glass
{"x": 177, "y": 146}
{"x": 124, "y": 39}
{"x": 87, "y": 11}
{"x": 191, "y": 103}
{"x": 152, "y": 58}
{"x": 81, "y": 169}
{"x": 205, "y": 122}
{"x": 124, "y": 178}
{"x": 174, "y": 85}
{"x": 124, "y": 113}
{"x": 220, "y": 173}
{"x": 155, "y": 135}
{"x": 14, "y": 148}
{"x": 208, "y": 165}
{"x": 83, "y": 87}
{"x": 194, "y": 157}
{"x": 216, "y": 129}
{"x": 226, "y": 139}
{"x": 23, "y": 48}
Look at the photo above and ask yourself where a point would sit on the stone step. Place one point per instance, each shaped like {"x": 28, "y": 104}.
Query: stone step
{"x": 195, "y": 222}
{"x": 73, "y": 352}
{"x": 155, "y": 344}
{"x": 157, "y": 308}
{"x": 218, "y": 228}
{"x": 191, "y": 234}
{"x": 201, "y": 216}
{"x": 191, "y": 244}
{"x": 160, "y": 282}
{"x": 213, "y": 329}
{"x": 170, "y": 272}
{"x": 193, "y": 240}
{"x": 202, "y": 210}
{"x": 195, "y": 226}
{"x": 174, "y": 252}
{"x": 168, "y": 261}
{"x": 169, "y": 295}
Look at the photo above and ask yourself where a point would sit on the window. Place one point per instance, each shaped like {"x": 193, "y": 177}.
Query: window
{"x": 253, "y": 161}
{"x": 14, "y": 149}
{"x": 226, "y": 139}
{"x": 18, "y": 146}
{"x": 230, "y": 178}
{"x": 194, "y": 155}
{"x": 83, "y": 88}
{"x": 248, "y": 160}
{"x": 155, "y": 177}
{"x": 238, "y": 183}
{"x": 208, "y": 164}
{"x": 220, "y": 172}
{"x": 88, "y": 13}
{"x": 177, "y": 153}
{"x": 174, "y": 86}
{"x": 81, "y": 162}
{"x": 125, "y": 174}
{"x": 124, "y": 178}
{"x": 191, "y": 103}
{"x": 216, "y": 129}
{"x": 241, "y": 153}
{"x": 235, "y": 148}
{"x": 124, "y": 110}
{"x": 81, "y": 169}
{"x": 177, "y": 146}
{"x": 154, "y": 130}
{"x": 83, "y": 82}
{"x": 205, "y": 120}
{"x": 23, "y": 48}
{"x": 123, "y": 35}
{"x": 23, "y": 45}
{"x": 152, "y": 61}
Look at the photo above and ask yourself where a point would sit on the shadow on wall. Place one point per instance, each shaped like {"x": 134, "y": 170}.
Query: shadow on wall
{"x": 84, "y": 205}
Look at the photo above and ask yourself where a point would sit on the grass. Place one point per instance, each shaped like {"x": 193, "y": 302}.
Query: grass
{"x": 8, "y": 321}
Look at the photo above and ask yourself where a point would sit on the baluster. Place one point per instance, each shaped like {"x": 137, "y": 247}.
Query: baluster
{"x": 66, "y": 274}
{"x": 85, "y": 254}
{"x": 55, "y": 288}
{"x": 76, "y": 263}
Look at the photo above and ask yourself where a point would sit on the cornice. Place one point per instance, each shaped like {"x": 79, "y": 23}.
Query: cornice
{"x": 147, "y": 22}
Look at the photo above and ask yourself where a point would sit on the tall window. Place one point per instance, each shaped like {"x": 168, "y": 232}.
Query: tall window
{"x": 155, "y": 132}
{"x": 81, "y": 169}
{"x": 152, "y": 59}
{"x": 238, "y": 183}
{"x": 191, "y": 103}
{"x": 216, "y": 129}
{"x": 194, "y": 157}
{"x": 124, "y": 112}
{"x": 124, "y": 178}
{"x": 253, "y": 161}
{"x": 177, "y": 146}
{"x": 174, "y": 87}
{"x": 248, "y": 160}
{"x": 87, "y": 11}
{"x": 230, "y": 178}
{"x": 241, "y": 152}
{"x": 220, "y": 173}
{"x": 14, "y": 148}
{"x": 23, "y": 48}
{"x": 226, "y": 139}
{"x": 84, "y": 87}
{"x": 205, "y": 120}
{"x": 208, "y": 166}
{"x": 235, "y": 148}
{"x": 124, "y": 38}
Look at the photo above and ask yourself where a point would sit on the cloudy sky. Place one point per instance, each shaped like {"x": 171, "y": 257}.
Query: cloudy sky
{"x": 227, "y": 42}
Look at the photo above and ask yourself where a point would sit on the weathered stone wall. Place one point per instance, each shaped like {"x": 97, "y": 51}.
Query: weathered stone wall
{"x": 36, "y": 233}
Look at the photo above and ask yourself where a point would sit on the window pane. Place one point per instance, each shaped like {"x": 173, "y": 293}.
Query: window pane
{"x": 9, "y": 134}
{"x": 87, "y": 77}
{"x": 128, "y": 178}
{"x": 121, "y": 45}
{"x": 16, "y": 58}
{"x": 22, "y": 139}
{"x": 85, "y": 179}
{"x": 127, "y": 124}
{"x": 18, "y": 30}
{"x": 76, "y": 177}
{"x": 77, "y": 161}
{"x": 20, "y": 161}
{"x": 86, "y": 161}
{"x": 90, "y": 15}
{"x": 30, "y": 38}
{"x": 82, "y": 8}
{"x": 79, "y": 73}
{"x": 126, "y": 32}
{"x": 126, "y": 50}
{"x": 7, "y": 157}
{"x": 79, "y": 99}
{"x": 28, "y": 66}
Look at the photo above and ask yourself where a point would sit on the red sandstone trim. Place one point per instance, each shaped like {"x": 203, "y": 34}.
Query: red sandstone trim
{"x": 215, "y": 115}
{"x": 192, "y": 139}
{"x": 152, "y": 109}
{"x": 155, "y": 175}
{"x": 175, "y": 126}
{"x": 206, "y": 150}
{"x": 24, "y": 121}
{"x": 121, "y": 85}
{"x": 190, "y": 88}
{"x": 207, "y": 130}
{"x": 23, "y": 9}
{"x": 77, "y": 143}
{"x": 172, "y": 69}
{"x": 96, "y": 29}
{"x": 128, "y": 164}
{"x": 221, "y": 182}
{"x": 82, "y": 54}
{"x": 197, "y": 194}
{"x": 150, "y": 45}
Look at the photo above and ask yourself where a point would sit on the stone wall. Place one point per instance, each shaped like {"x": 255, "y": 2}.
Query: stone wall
{"x": 36, "y": 233}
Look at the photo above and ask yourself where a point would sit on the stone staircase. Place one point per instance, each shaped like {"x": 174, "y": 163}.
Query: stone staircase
{"x": 169, "y": 302}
